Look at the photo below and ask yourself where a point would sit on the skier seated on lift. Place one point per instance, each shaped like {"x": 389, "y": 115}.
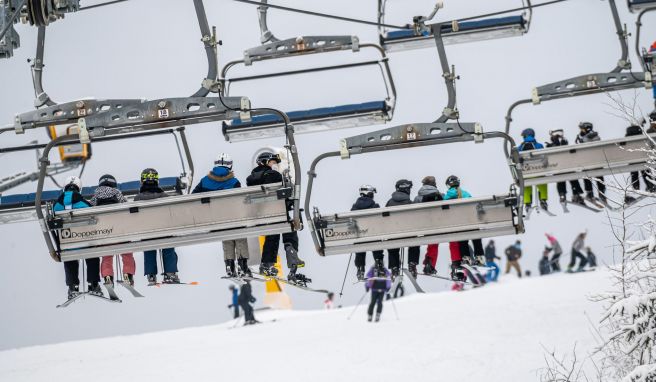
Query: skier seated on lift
{"x": 429, "y": 193}
{"x": 650, "y": 186}
{"x": 364, "y": 202}
{"x": 460, "y": 250}
{"x": 402, "y": 197}
{"x": 150, "y": 190}
{"x": 557, "y": 138}
{"x": 71, "y": 199}
{"x": 529, "y": 143}
{"x": 587, "y": 134}
{"x": 266, "y": 173}
{"x": 106, "y": 193}
{"x": 223, "y": 178}
{"x": 379, "y": 282}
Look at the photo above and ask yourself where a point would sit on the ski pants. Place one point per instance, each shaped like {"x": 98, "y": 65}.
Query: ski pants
{"x": 235, "y": 309}
{"x": 72, "y": 271}
{"x": 647, "y": 178}
{"x": 235, "y": 249}
{"x": 107, "y": 266}
{"x": 528, "y": 193}
{"x": 478, "y": 248}
{"x": 576, "y": 187}
{"x": 492, "y": 274}
{"x": 454, "y": 248}
{"x": 555, "y": 262}
{"x": 577, "y": 255}
{"x": 394, "y": 257}
{"x": 248, "y": 311}
{"x": 169, "y": 258}
{"x": 377, "y": 297}
{"x": 360, "y": 258}
{"x": 601, "y": 186}
{"x": 432, "y": 253}
{"x": 514, "y": 264}
{"x": 289, "y": 242}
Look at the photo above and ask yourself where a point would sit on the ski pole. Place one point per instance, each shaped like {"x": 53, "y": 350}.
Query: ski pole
{"x": 395, "y": 312}
{"x": 345, "y": 274}
{"x": 236, "y": 322}
{"x": 356, "y": 307}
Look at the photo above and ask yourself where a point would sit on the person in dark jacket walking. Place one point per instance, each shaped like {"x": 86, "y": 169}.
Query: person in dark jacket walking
{"x": 379, "y": 283}
{"x": 235, "y": 300}
{"x": 106, "y": 193}
{"x": 150, "y": 190}
{"x": 587, "y": 134}
{"x": 429, "y": 193}
{"x": 557, "y": 138}
{"x": 490, "y": 256}
{"x": 265, "y": 173}
{"x": 365, "y": 202}
{"x": 223, "y": 178}
{"x": 402, "y": 197}
{"x": 513, "y": 254}
{"x": 70, "y": 199}
{"x": 245, "y": 300}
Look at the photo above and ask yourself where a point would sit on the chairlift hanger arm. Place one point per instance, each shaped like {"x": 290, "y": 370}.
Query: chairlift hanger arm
{"x": 209, "y": 41}
{"x": 42, "y": 98}
{"x": 450, "y": 111}
{"x": 265, "y": 34}
{"x": 622, "y": 35}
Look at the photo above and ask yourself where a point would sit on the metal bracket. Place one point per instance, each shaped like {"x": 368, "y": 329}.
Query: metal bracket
{"x": 83, "y": 132}
{"x": 589, "y": 84}
{"x": 301, "y": 45}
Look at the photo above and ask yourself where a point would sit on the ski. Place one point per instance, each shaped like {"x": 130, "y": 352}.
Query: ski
{"x": 68, "y": 302}
{"x": 159, "y": 285}
{"x": 436, "y": 276}
{"x": 587, "y": 207}
{"x": 546, "y": 211}
{"x": 130, "y": 288}
{"x": 636, "y": 200}
{"x": 256, "y": 323}
{"x": 413, "y": 281}
{"x": 241, "y": 280}
{"x": 476, "y": 278}
{"x": 564, "y": 205}
{"x": 111, "y": 292}
{"x": 103, "y": 297}
{"x": 595, "y": 202}
{"x": 609, "y": 207}
{"x": 290, "y": 283}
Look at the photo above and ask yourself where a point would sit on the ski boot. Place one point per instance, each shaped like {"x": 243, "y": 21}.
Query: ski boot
{"x": 457, "y": 272}
{"x": 377, "y": 317}
{"x": 562, "y": 198}
{"x": 128, "y": 279}
{"x": 244, "y": 271}
{"x": 369, "y": 318}
{"x": 429, "y": 269}
{"x": 589, "y": 196}
{"x": 292, "y": 256}
{"x": 628, "y": 200}
{"x": 544, "y": 205}
{"x": 360, "y": 273}
{"x": 395, "y": 273}
{"x": 412, "y": 268}
{"x": 230, "y": 268}
{"x": 94, "y": 289}
{"x": 480, "y": 261}
{"x": 152, "y": 279}
{"x": 578, "y": 199}
{"x": 109, "y": 280}
{"x": 297, "y": 278}
{"x": 171, "y": 278}
{"x": 268, "y": 269}
{"x": 73, "y": 291}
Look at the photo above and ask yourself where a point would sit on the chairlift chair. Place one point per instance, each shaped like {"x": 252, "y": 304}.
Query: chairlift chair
{"x": 639, "y": 5}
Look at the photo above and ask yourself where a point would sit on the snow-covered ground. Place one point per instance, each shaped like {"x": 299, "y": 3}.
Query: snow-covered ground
{"x": 491, "y": 334}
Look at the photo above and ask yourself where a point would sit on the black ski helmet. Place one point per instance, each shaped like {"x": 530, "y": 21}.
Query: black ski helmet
{"x": 265, "y": 157}
{"x": 528, "y": 133}
{"x": 107, "y": 180}
{"x": 404, "y": 185}
{"x": 586, "y": 126}
{"x": 453, "y": 181}
{"x": 150, "y": 175}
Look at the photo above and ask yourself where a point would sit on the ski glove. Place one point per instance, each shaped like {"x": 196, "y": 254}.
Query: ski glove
{"x": 252, "y": 300}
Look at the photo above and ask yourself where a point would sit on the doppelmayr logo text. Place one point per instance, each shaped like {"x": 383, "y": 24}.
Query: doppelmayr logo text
{"x": 67, "y": 234}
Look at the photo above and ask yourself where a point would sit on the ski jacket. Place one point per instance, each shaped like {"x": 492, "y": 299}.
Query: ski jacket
{"x": 364, "y": 203}
{"x": 544, "y": 266}
{"x": 107, "y": 195}
{"x": 428, "y": 193}
{"x": 491, "y": 253}
{"x": 149, "y": 191}
{"x": 633, "y": 130}
{"x": 513, "y": 252}
{"x": 529, "y": 144}
{"x": 555, "y": 245}
{"x": 220, "y": 178}
{"x": 378, "y": 284}
{"x": 578, "y": 243}
{"x": 557, "y": 141}
{"x": 263, "y": 175}
{"x": 235, "y": 297}
{"x": 245, "y": 294}
{"x": 70, "y": 200}
{"x": 398, "y": 199}
{"x": 456, "y": 193}
{"x": 589, "y": 137}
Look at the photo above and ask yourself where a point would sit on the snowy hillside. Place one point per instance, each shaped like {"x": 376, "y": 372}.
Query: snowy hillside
{"x": 492, "y": 334}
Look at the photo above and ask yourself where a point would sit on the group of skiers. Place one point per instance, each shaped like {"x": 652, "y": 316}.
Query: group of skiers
{"x": 551, "y": 265}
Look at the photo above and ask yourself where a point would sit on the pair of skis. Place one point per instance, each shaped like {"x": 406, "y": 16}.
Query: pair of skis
{"x": 113, "y": 296}
{"x": 264, "y": 278}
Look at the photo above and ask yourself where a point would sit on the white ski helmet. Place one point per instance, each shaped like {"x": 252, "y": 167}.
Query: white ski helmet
{"x": 224, "y": 160}
{"x": 367, "y": 190}
{"x": 74, "y": 181}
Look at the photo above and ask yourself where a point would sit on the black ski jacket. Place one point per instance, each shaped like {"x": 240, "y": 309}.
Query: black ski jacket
{"x": 633, "y": 130}
{"x": 245, "y": 294}
{"x": 398, "y": 199}
{"x": 263, "y": 175}
{"x": 150, "y": 191}
{"x": 364, "y": 203}
{"x": 557, "y": 141}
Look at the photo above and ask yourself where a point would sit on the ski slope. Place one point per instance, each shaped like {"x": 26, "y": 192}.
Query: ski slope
{"x": 490, "y": 334}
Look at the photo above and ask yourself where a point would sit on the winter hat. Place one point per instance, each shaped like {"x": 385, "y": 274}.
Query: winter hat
{"x": 429, "y": 180}
{"x": 550, "y": 238}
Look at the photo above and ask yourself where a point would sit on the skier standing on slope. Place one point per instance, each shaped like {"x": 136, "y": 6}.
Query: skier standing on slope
{"x": 587, "y": 134}
{"x": 107, "y": 192}
{"x": 545, "y": 265}
{"x": 329, "y": 302}
{"x": 558, "y": 139}
{"x": 577, "y": 248}
{"x": 235, "y": 300}
{"x": 513, "y": 254}
{"x": 429, "y": 193}
{"x": 223, "y": 178}
{"x": 150, "y": 190}
{"x": 266, "y": 173}
{"x": 529, "y": 143}
{"x": 490, "y": 256}
{"x": 401, "y": 197}
{"x": 379, "y": 282}
{"x": 245, "y": 300}
{"x": 71, "y": 199}
{"x": 557, "y": 251}
{"x": 364, "y": 202}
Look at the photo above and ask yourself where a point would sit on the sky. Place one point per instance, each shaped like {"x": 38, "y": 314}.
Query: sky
{"x": 151, "y": 49}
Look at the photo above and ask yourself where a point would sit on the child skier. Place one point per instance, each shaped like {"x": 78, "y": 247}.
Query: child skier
{"x": 70, "y": 199}
{"x": 429, "y": 193}
{"x": 577, "y": 247}
{"x": 558, "y": 139}
{"x": 379, "y": 282}
{"x": 364, "y": 202}
{"x": 592, "y": 259}
{"x": 245, "y": 300}
{"x": 545, "y": 265}
{"x": 150, "y": 190}
{"x": 107, "y": 192}
{"x": 490, "y": 256}
{"x": 529, "y": 143}
{"x": 223, "y": 178}
{"x": 557, "y": 251}
{"x": 587, "y": 134}
{"x": 401, "y": 197}
{"x": 235, "y": 300}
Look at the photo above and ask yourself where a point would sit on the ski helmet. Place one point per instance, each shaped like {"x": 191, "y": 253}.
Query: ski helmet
{"x": 528, "y": 133}
{"x": 453, "y": 181}
{"x": 367, "y": 190}
{"x": 107, "y": 180}
{"x": 429, "y": 180}
{"x": 404, "y": 185}
{"x": 73, "y": 183}
{"x": 652, "y": 116}
{"x": 150, "y": 175}
{"x": 556, "y": 133}
{"x": 224, "y": 160}
{"x": 265, "y": 157}
{"x": 586, "y": 126}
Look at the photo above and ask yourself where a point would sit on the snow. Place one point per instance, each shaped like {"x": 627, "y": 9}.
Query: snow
{"x": 496, "y": 333}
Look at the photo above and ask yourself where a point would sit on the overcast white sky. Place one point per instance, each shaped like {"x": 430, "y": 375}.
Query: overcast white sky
{"x": 151, "y": 49}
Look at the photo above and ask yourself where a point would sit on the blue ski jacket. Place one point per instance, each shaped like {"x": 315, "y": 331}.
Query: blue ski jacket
{"x": 69, "y": 200}
{"x": 530, "y": 144}
{"x": 220, "y": 178}
{"x": 453, "y": 194}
